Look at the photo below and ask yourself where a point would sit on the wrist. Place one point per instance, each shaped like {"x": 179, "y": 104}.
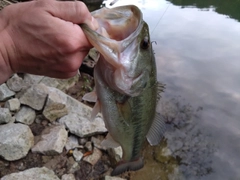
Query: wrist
{"x": 5, "y": 65}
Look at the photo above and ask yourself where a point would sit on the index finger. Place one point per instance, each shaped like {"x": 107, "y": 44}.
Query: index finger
{"x": 73, "y": 11}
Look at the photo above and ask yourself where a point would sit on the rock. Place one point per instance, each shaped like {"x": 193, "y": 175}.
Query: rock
{"x": 26, "y": 115}
{"x": 94, "y": 157}
{"x": 56, "y": 104}
{"x": 30, "y": 79}
{"x": 115, "y": 154}
{"x": 62, "y": 84}
{"x": 77, "y": 120}
{"x": 97, "y": 143}
{"x": 81, "y": 126}
{"x": 5, "y": 116}
{"x": 68, "y": 177}
{"x": 88, "y": 146}
{"x": 52, "y": 142}
{"x": 5, "y": 92}
{"x": 13, "y": 104}
{"x": 77, "y": 155}
{"x": 35, "y": 96}
{"x": 32, "y": 174}
{"x": 113, "y": 178}
{"x": 15, "y": 83}
{"x": 72, "y": 143}
{"x": 16, "y": 140}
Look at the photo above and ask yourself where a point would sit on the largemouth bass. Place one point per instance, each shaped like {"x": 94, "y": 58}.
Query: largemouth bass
{"x": 126, "y": 86}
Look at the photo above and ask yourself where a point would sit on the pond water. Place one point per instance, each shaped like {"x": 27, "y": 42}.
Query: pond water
{"x": 198, "y": 58}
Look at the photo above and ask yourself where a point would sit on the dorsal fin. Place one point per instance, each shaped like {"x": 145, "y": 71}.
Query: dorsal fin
{"x": 157, "y": 130}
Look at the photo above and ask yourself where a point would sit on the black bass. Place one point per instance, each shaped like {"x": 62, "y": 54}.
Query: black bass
{"x": 126, "y": 87}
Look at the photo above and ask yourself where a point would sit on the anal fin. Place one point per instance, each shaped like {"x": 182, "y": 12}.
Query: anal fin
{"x": 157, "y": 130}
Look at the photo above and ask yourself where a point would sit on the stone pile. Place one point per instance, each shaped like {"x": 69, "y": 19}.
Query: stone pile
{"x": 29, "y": 100}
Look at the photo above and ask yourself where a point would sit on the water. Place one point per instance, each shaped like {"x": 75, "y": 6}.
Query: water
{"x": 198, "y": 54}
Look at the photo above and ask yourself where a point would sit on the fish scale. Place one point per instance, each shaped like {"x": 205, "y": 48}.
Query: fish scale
{"x": 128, "y": 105}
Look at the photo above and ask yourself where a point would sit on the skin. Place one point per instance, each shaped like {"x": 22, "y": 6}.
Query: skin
{"x": 43, "y": 37}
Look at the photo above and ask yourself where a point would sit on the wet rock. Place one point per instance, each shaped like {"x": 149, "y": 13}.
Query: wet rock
{"x": 56, "y": 104}
{"x": 77, "y": 155}
{"x": 33, "y": 173}
{"x": 52, "y": 142}
{"x": 77, "y": 121}
{"x": 5, "y": 116}
{"x": 5, "y": 92}
{"x": 113, "y": 178}
{"x": 68, "y": 177}
{"x": 16, "y": 140}
{"x": 94, "y": 157}
{"x": 72, "y": 143}
{"x": 26, "y": 115}
{"x": 35, "y": 96}
{"x": 15, "y": 83}
{"x": 13, "y": 104}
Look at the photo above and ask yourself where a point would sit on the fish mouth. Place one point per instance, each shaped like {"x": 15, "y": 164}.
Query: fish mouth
{"x": 116, "y": 32}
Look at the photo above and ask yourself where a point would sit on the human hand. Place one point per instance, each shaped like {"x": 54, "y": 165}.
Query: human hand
{"x": 42, "y": 37}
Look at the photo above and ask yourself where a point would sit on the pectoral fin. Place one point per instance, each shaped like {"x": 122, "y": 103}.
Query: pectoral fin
{"x": 157, "y": 130}
{"x": 90, "y": 97}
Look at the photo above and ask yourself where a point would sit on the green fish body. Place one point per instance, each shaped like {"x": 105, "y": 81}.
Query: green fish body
{"x": 125, "y": 83}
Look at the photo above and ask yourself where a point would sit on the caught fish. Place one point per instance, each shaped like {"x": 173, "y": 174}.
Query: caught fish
{"x": 126, "y": 87}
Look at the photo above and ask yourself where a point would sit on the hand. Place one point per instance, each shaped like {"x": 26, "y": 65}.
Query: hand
{"x": 42, "y": 37}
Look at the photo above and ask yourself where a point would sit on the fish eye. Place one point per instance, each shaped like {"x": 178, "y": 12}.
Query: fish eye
{"x": 145, "y": 43}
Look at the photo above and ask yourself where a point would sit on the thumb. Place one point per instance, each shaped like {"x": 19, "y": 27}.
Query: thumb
{"x": 73, "y": 11}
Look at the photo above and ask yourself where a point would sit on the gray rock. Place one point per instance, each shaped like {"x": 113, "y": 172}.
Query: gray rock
{"x": 97, "y": 143}
{"x": 5, "y": 92}
{"x": 5, "y": 116}
{"x": 13, "y": 104}
{"x": 115, "y": 154}
{"x": 56, "y": 104}
{"x": 88, "y": 146}
{"x": 32, "y": 174}
{"x": 77, "y": 155}
{"x": 15, "y": 83}
{"x": 94, "y": 157}
{"x": 113, "y": 178}
{"x": 35, "y": 96}
{"x": 77, "y": 120}
{"x": 81, "y": 126}
{"x": 62, "y": 84}
{"x": 16, "y": 140}
{"x": 53, "y": 142}
{"x": 30, "y": 79}
{"x": 68, "y": 177}
{"x": 26, "y": 115}
{"x": 72, "y": 143}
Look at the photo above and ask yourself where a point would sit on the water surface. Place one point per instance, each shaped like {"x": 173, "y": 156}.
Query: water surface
{"x": 198, "y": 58}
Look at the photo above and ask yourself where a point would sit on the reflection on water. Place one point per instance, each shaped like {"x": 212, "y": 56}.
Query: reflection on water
{"x": 229, "y": 8}
{"x": 197, "y": 55}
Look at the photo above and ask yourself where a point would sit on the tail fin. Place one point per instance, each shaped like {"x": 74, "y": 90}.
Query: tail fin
{"x": 128, "y": 166}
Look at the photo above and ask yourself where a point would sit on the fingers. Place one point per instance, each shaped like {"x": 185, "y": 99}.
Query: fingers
{"x": 74, "y": 11}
